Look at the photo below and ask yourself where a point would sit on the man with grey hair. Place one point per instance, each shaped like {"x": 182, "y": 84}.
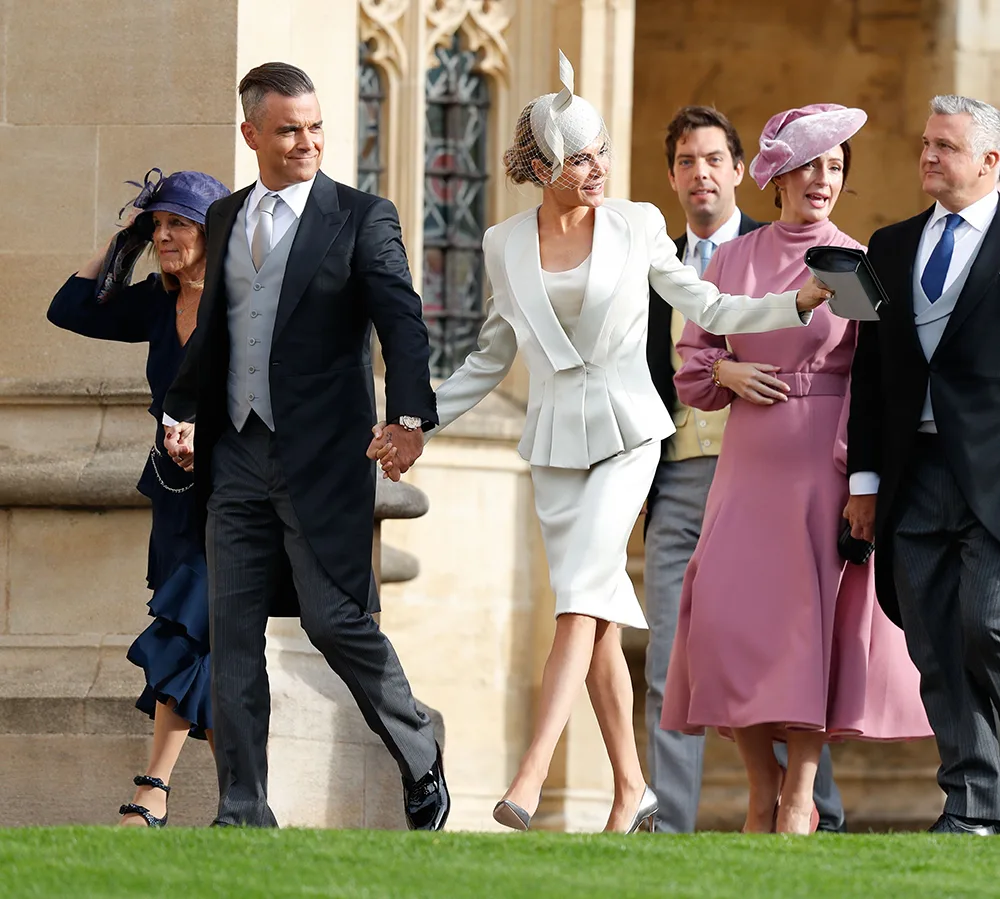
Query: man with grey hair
{"x": 924, "y": 450}
{"x": 279, "y": 378}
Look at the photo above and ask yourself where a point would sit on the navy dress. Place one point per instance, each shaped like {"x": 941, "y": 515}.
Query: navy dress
{"x": 174, "y": 650}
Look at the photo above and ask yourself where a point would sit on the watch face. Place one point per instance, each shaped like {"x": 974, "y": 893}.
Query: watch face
{"x": 410, "y": 422}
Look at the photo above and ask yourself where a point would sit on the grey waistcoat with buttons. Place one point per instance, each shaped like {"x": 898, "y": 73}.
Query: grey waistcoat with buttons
{"x": 253, "y": 305}
{"x": 931, "y": 319}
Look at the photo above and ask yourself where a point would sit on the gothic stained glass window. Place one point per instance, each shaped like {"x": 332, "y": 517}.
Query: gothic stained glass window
{"x": 371, "y": 106}
{"x": 455, "y": 205}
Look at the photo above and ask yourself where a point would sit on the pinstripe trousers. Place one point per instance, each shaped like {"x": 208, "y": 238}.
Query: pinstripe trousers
{"x": 251, "y": 522}
{"x": 946, "y": 568}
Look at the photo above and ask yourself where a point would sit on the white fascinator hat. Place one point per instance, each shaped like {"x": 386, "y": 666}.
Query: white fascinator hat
{"x": 561, "y": 125}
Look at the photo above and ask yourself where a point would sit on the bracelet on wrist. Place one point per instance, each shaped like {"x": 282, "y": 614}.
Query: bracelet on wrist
{"x": 715, "y": 371}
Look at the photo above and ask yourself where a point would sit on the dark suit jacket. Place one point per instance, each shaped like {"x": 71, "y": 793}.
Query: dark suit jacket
{"x": 658, "y": 343}
{"x": 889, "y": 382}
{"x": 346, "y": 270}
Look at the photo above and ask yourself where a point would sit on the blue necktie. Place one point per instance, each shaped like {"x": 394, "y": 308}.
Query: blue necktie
{"x": 703, "y": 255}
{"x": 936, "y": 270}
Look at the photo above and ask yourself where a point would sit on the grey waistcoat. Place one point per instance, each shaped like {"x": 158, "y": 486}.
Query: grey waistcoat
{"x": 931, "y": 320}
{"x": 253, "y": 305}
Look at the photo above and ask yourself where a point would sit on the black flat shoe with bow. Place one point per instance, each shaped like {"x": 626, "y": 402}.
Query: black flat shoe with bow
{"x": 144, "y": 780}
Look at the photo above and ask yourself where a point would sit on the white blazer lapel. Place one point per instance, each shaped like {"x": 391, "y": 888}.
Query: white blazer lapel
{"x": 523, "y": 265}
{"x": 609, "y": 256}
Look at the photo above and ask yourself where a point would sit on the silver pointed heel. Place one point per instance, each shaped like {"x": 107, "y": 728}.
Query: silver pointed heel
{"x": 648, "y": 807}
{"x": 511, "y": 815}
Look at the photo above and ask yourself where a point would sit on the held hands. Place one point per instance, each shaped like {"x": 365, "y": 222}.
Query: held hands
{"x": 812, "y": 294}
{"x": 750, "y": 381}
{"x": 860, "y": 512}
{"x": 179, "y": 443}
{"x": 395, "y": 448}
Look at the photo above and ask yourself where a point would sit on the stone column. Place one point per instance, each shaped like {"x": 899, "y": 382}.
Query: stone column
{"x": 599, "y": 38}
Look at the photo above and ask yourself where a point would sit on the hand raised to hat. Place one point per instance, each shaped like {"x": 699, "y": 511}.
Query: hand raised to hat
{"x": 92, "y": 267}
{"x": 812, "y": 294}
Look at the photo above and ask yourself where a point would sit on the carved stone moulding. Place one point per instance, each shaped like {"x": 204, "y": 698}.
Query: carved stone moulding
{"x": 379, "y": 23}
{"x": 483, "y": 22}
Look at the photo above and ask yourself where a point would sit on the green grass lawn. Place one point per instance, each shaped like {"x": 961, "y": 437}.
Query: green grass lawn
{"x": 108, "y": 862}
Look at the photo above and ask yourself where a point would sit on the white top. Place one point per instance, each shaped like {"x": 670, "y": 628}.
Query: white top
{"x": 976, "y": 219}
{"x": 292, "y": 202}
{"x": 566, "y": 290}
{"x": 728, "y": 230}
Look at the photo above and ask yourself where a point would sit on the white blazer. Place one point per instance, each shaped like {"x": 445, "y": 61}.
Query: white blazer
{"x": 591, "y": 397}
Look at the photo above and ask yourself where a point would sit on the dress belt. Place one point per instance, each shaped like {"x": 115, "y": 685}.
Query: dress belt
{"x": 806, "y": 383}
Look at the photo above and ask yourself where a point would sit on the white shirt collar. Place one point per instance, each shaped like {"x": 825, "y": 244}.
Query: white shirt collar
{"x": 979, "y": 214}
{"x": 294, "y": 196}
{"x": 728, "y": 230}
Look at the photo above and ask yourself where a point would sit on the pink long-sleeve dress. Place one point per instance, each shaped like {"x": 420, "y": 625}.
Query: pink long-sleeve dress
{"x": 774, "y": 627}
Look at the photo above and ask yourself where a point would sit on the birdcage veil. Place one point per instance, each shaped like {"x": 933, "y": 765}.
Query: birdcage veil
{"x": 552, "y": 133}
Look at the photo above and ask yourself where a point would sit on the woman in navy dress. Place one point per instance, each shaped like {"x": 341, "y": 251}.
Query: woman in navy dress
{"x": 173, "y": 651}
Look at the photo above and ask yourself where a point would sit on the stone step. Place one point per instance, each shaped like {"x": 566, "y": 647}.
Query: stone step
{"x": 71, "y": 740}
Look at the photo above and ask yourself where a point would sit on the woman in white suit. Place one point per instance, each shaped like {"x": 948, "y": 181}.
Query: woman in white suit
{"x": 571, "y": 291}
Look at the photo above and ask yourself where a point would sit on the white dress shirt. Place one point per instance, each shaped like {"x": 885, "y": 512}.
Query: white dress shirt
{"x": 976, "y": 219}
{"x": 292, "y": 202}
{"x": 728, "y": 230}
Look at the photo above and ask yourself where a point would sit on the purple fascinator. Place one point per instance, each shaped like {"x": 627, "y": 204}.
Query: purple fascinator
{"x": 796, "y": 136}
{"x": 184, "y": 193}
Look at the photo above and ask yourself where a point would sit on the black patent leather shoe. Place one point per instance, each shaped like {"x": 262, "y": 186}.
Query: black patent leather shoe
{"x": 426, "y": 801}
{"x": 952, "y": 824}
{"x": 144, "y": 780}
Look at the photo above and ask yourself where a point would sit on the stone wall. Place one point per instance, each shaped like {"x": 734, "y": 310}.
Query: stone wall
{"x": 753, "y": 59}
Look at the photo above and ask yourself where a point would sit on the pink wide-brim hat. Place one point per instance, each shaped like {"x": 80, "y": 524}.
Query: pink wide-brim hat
{"x": 797, "y": 136}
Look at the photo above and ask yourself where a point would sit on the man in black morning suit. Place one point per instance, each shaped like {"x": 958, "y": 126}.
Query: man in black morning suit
{"x": 924, "y": 450}
{"x": 279, "y": 380}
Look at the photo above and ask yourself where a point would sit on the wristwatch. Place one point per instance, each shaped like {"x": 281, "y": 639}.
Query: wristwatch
{"x": 410, "y": 422}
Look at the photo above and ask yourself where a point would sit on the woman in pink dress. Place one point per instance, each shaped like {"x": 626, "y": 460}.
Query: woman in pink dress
{"x": 778, "y": 638}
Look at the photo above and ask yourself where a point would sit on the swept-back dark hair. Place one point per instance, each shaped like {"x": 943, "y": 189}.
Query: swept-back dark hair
{"x": 690, "y": 118}
{"x": 271, "y": 78}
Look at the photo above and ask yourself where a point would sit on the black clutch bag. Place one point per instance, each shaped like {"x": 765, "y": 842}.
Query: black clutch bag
{"x": 857, "y": 293}
{"x": 851, "y": 548}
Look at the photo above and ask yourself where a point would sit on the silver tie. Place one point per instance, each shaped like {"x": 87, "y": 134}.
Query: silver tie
{"x": 260, "y": 246}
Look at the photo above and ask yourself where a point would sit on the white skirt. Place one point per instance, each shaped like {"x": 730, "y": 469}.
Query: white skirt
{"x": 587, "y": 516}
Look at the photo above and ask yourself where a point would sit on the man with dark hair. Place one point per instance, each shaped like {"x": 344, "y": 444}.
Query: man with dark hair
{"x": 279, "y": 378}
{"x": 705, "y": 165}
